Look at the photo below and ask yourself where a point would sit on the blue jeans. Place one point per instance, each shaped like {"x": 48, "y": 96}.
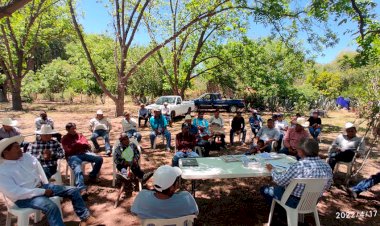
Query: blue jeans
{"x": 166, "y": 134}
{"x": 50, "y": 171}
{"x": 101, "y": 133}
{"x": 50, "y": 209}
{"x": 314, "y": 132}
{"x": 276, "y": 192}
{"x": 367, "y": 183}
{"x": 180, "y": 154}
{"x": 75, "y": 163}
{"x": 134, "y": 133}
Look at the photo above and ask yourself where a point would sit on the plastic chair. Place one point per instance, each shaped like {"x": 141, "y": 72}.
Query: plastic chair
{"x": 72, "y": 174}
{"x": 23, "y": 214}
{"x": 239, "y": 134}
{"x": 58, "y": 176}
{"x": 155, "y": 140}
{"x": 350, "y": 166}
{"x": 308, "y": 202}
{"x": 199, "y": 150}
{"x": 180, "y": 221}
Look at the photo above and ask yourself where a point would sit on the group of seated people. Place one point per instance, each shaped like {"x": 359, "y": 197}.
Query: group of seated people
{"x": 30, "y": 191}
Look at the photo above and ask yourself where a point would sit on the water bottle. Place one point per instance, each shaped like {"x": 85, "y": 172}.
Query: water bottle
{"x": 245, "y": 161}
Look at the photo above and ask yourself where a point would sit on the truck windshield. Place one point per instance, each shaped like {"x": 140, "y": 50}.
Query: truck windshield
{"x": 162, "y": 100}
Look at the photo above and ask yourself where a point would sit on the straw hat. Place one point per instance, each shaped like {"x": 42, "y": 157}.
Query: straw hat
{"x": 4, "y": 143}
{"x": 45, "y": 130}
{"x": 8, "y": 122}
{"x": 302, "y": 122}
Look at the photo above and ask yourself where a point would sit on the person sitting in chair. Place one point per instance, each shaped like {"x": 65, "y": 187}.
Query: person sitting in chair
{"x": 45, "y": 120}
{"x": 9, "y": 130}
{"x": 203, "y": 133}
{"x": 268, "y": 134}
{"x": 315, "y": 125}
{"x": 185, "y": 143}
{"x": 256, "y": 122}
{"x": 130, "y": 126}
{"x": 77, "y": 150}
{"x": 143, "y": 115}
{"x": 193, "y": 129}
{"x": 159, "y": 125}
{"x": 345, "y": 146}
{"x": 20, "y": 181}
{"x": 165, "y": 111}
{"x": 126, "y": 155}
{"x": 164, "y": 202}
{"x": 310, "y": 166}
{"x": 237, "y": 126}
{"x": 100, "y": 127}
{"x": 216, "y": 127}
{"x": 47, "y": 150}
{"x": 294, "y": 136}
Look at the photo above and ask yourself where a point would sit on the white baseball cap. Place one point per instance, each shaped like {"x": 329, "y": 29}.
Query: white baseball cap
{"x": 165, "y": 176}
{"x": 349, "y": 125}
{"x": 45, "y": 130}
{"x": 8, "y": 122}
{"x": 99, "y": 112}
{"x": 4, "y": 143}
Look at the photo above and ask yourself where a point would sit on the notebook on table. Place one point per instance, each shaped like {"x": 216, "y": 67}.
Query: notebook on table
{"x": 189, "y": 162}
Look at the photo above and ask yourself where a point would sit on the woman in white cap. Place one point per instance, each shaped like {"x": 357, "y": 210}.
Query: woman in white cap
{"x": 345, "y": 146}
{"x": 47, "y": 150}
{"x": 164, "y": 202}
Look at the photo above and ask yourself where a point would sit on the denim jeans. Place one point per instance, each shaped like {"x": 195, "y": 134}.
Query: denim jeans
{"x": 75, "y": 163}
{"x": 50, "y": 171}
{"x": 134, "y": 133}
{"x": 181, "y": 154}
{"x": 367, "y": 183}
{"x": 50, "y": 209}
{"x": 244, "y": 131}
{"x": 101, "y": 133}
{"x": 314, "y": 132}
{"x": 166, "y": 134}
{"x": 276, "y": 192}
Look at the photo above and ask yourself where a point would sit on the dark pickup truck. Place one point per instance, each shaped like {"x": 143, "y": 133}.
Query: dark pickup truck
{"x": 215, "y": 101}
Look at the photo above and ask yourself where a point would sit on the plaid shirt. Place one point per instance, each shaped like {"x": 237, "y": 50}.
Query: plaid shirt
{"x": 309, "y": 167}
{"x": 36, "y": 149}
{"x": 118, "y": 159}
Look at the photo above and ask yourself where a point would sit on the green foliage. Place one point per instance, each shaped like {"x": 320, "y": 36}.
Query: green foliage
{"x": 328, "y": 83}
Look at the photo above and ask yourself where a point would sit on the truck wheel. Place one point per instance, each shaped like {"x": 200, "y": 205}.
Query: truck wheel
{"x": 233, "y": 109}
{"x": 172, "y": 115}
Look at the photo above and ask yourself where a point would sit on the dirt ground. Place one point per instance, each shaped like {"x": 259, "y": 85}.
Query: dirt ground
{"x": 221, "y": 202}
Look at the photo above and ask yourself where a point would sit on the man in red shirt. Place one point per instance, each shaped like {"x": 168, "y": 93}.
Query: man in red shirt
{"x": 294, "y": 136}
{"x": 185, "y": 143}
{"x": 77, "y": 150}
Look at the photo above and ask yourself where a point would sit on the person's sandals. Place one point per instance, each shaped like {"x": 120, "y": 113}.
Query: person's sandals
{"x": 91, "y": 221}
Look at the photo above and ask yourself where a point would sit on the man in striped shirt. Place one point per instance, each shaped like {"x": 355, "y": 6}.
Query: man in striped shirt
{"x": 310, "y": 166}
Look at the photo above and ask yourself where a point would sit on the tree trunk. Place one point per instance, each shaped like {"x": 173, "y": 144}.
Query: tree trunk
{"x": 3, "y": 93}
{"x": 16, "y": 95}
{"x": 119, "y": 102}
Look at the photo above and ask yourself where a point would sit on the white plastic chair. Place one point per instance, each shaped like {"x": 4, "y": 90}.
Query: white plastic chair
{"x": 155, "y": 140}
{"x": 23, "y": 214}
{"x": 238, "y": 134}
{"x": 308, "y": 202}
{"x": 199, "y": 150}
{"x": 180, "y": 221}
{"x": 350, "y": 166}
{"x": 58, "y": 176}
{"x": 72, "y": 174}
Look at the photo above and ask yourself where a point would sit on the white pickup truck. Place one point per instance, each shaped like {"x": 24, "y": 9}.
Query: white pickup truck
{"x": 175, "y": 104}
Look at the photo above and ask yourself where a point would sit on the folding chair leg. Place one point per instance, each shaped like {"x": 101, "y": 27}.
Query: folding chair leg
{"x": 155, "y": 142}
{"x": 316, "y": 217}
{"x": 292, "y": 218}
{"x": 37, "y": 217}
{"x": 271, "y": 212}
{"x": 24, "y": 220}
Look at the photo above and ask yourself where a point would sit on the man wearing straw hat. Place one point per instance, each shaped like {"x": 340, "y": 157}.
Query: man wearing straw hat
{"x": 100, "y": 127}
{"x": 345, "y": 146}
{"x": 294, "y": 135}
{"x": 20, "y": 181}
{"x": 45, "y": 120}
{"x": 47, "y": 150}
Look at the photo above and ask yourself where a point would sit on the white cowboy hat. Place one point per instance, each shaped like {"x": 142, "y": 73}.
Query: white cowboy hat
{"x": 99, "y": 112}
{"x": 302, "y": 122}
{"x": 4, "y": 143}
{"x": 187, "y": 117}
{"x": 165, "y": 176}
{"x": 45, "y": 130}
{"x": 8, "y": 122}
{"x": 349, "y": 125}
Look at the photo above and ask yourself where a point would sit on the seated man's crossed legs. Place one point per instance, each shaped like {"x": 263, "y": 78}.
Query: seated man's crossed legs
{"x": 105, "y": 135}
{"x": 75, "y": 163}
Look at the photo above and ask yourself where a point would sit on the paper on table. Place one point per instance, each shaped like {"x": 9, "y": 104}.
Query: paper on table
{"x": 264, "y": 155}
{"x": 280, "y": 165}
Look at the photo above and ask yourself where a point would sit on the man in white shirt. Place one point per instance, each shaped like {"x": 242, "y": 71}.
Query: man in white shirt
{"x": 282, "y": 126}
{"x": 268, "y": 134}
{"x": 22, "y": 183}
{"x": 216, "y": 127}
{"x": 45, "y": 120}
{"x": 130, "y": 126}
{"x": 345, "y": 146}
{"x": 100, "y": 127}
{"x": 165, "y": 111}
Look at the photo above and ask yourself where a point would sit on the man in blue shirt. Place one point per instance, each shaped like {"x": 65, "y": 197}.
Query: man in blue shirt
{"x": 203, "y": 133}
{"x": 256, "y": 122}
{"x": 164, "y": 202}
{"x": 159, "y": 125}
{"x": 310, "y": 166}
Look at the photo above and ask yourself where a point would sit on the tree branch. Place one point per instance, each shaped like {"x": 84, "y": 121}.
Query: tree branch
{"x": 11, "y": 7}
{"x": 361, "y": 19}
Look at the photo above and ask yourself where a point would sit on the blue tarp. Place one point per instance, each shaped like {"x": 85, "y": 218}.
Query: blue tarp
{"x": 343, "y": 102}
